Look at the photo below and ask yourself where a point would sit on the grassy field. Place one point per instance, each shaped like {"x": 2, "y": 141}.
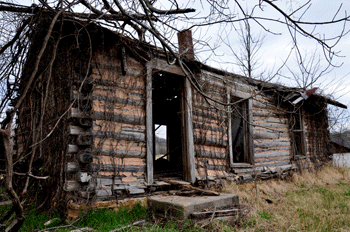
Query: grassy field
{"x": 308, "y": 201}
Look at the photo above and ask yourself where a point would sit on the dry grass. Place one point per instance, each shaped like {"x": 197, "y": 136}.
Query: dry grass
{"x": 308, "y": 201}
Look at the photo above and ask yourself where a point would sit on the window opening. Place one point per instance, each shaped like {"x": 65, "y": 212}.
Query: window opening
{"x": 240, "y": 132}
{"x": 298, "y": 134}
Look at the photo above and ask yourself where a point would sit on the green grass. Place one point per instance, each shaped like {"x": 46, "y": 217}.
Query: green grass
{"x": 35, "y": 220}
{"x": 308, "y": 202}
{"x": 100, "y": 219}
{"x": 265, "y": 215}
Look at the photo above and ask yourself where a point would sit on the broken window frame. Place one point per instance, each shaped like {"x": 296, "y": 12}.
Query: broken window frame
{"x": 248, "y": 130}
{"x": 298, "y": 130}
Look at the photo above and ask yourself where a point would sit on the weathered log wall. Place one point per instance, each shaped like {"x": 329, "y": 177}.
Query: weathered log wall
{"x": 210, "y": 128}
{"x": 272, "y": 142}
{"x": 113, "y": 147}
{"x": 271, "y": 132}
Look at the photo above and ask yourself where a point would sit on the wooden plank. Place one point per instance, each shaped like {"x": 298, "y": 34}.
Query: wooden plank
{"x": 250, "y": 142}
{"x": 229, "y": 129}
{"x": 149, "y": 122}
{"x": 162, "y": 65}
{"x": 223, "y": 212}
{"x": 222, "y": 82}
{"x": 189, "y": 167}
{"x": 189, "y": 187}
{"x": 248, "y": 170}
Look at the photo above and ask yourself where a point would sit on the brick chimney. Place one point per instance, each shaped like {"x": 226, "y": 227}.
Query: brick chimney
{"x": 185, "y": 44}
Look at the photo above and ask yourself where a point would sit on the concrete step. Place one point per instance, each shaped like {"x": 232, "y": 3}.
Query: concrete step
{"x": 181, "y": 207}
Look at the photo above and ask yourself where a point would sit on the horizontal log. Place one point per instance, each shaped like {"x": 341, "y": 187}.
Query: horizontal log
{"x": 275, "y": 120}
{"x": 189, "y": 187}
{"x": 272, "y": 160}
{"x": 75, "y": 95}
{"x": 77, "y": 113}
{"x": 241, "y": 165}
{"x": 131, "y": 129}
{"x": 72, "y": 167}
{"x": 209, "y": 154}
{"x": 128, "y": 136}
{"x": 121, "y": 118}
{"x": 117, "y": 100}
{"x": 258, "y": 104}
{"x": 210, "y": 141}
{"x": 83, "y": 177}
{"x": 119, "y": 153}
{"x": 72, "y": 148}
{"x": 273, "y": 165}
{"x": 117, "y": 168}
{"x": 72, "y": 185}
{"x": 100, "y": 182}
{"x": 107, "y": 192}
{"x": 248, "y": 170}
{"x": 268, "y": 135}
{"x": 4, "y": 203}
{"x": 223, "y": 82}
{"x": 77, "y": 130}
{"x": 135, "y": 191}
{"x": 263, "y": 114}
{"x": 84, "y": 140}
{"x": 284, "y": 168}
{"x": 203, "y": 105}
{"x": 210, "y": 115}
{"x": 272, "y": 125}
{"x": 272, "y": 144}
{"x": 209, "y": 128}
{"x": 119, "y": 84}
{"x": 273, "y": 154}
{"x": 213, "y": 167}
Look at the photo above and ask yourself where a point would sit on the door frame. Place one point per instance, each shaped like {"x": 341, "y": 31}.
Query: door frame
{"x": 156, "y": 65}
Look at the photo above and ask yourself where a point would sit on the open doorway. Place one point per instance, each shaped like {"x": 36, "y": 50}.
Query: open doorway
{"x": 167, "y": 142}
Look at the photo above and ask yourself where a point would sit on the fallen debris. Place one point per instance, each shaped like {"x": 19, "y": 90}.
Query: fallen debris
{"x": 189, "y": 187}
{"x": 128, "y": 226}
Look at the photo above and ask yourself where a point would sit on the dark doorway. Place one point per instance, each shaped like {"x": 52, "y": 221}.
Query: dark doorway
{"x": 167, "y": 147}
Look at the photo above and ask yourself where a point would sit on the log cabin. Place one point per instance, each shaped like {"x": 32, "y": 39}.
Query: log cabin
{"x": 93, "y": 117}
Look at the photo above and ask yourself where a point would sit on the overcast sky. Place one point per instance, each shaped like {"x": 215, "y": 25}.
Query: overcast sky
{"x": 276, "y": 48}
